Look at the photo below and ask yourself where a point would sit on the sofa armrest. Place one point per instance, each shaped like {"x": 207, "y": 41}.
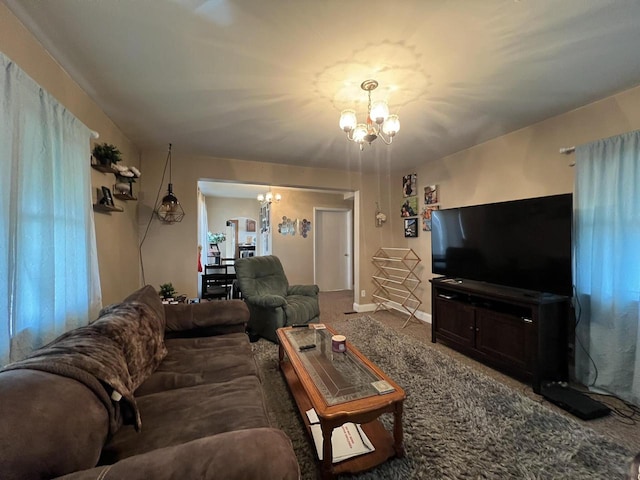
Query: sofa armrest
{"x": 256, "y": 453}
{"x": 267, "y": 301}
{"x": 307, "y": 290}
{"x": 206, "y": 318}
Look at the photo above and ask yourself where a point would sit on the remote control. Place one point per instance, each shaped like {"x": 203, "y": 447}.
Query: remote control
{"x": 299, "y": 325}
{"x": 307, "y": 347}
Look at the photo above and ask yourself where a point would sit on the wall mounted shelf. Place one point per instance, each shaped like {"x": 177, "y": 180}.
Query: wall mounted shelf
{"x": 101, "y": 208}
{"x": 396, "y": 281}
{"x": 104, "y": 168}
{"x": 124, "y": 196}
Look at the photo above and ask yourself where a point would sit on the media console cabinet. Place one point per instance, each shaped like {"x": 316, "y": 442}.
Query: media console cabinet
{"x": 520, "y": 332}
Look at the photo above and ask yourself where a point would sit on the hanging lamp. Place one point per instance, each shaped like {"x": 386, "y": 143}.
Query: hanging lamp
{"x": 169, "y": 210}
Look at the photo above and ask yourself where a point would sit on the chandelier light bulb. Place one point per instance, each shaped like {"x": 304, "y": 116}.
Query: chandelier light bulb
{"x": 269, "y": 197}
{"x": 348, "y": 120}
{"x": 278, "y": 197}
{"x": 360, "y": 132}
{"x": 379, "y": 111}
{"x": 260, "y": 197}
{"x": 391, "y": 126}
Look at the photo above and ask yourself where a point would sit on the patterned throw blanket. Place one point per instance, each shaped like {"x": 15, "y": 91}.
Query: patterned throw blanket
{"x": 112, "y": 356}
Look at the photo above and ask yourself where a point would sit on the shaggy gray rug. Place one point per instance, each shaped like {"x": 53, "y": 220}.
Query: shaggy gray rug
{"x": 458, "y": 423}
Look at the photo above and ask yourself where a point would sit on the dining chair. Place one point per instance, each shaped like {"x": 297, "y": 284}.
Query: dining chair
{"x": 216, "y": 282}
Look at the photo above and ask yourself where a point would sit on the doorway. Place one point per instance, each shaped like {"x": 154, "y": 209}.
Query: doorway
{"x": 333, "y": 249}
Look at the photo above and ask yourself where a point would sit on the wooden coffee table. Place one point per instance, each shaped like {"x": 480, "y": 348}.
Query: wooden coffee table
{"x": 338, "y": 386}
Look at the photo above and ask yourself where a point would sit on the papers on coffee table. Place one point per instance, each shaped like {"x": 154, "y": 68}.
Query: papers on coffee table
{"x": 347, "y": 440}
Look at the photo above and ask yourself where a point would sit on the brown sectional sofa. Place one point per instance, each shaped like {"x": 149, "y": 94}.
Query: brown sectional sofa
{"x": 191, "y": 401}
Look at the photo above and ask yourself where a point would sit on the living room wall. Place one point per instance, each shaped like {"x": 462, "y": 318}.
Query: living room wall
{"x": 169, "y": 250}
{"x": 522, "y": 164}
{"x": 116, "y": 234}
{"x": 296, "y": 252}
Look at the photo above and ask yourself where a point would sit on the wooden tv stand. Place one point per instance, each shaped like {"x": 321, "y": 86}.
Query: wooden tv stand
{"x": 520, "y": 332}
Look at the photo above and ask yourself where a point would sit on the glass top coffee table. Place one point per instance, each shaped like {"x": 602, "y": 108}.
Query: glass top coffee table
{"x": 339, "y": 387}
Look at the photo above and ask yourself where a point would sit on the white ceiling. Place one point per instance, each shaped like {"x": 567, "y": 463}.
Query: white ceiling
{"x": 266, "y": 80}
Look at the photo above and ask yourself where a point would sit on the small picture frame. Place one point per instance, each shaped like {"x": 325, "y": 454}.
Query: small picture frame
{"x": 426, "y": 217}
{"x": 251, "y": 225}
{"x": 430, "y": 194}
{"x": 410, "y": 227}
{"x": 107, "y": 198}
{"x": 409, "y": 185}
{"x": 409, "y": 207}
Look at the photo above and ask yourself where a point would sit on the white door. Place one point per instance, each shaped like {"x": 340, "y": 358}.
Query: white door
{"x": 333, "y": 249}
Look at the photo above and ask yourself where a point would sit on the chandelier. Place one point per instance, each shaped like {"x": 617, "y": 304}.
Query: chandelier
{"x": 269, "y": 197}
{"x": 379, "y": 122}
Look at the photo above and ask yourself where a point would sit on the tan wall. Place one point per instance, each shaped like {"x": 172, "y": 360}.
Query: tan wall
{"x": 117, "y": 236}
{"x": 169, "y": 250}
{"x": 296, "y": 252}
{"x": 523, "y": 164}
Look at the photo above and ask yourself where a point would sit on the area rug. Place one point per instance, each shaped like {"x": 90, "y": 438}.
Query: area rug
{"x": 458, "y": 423}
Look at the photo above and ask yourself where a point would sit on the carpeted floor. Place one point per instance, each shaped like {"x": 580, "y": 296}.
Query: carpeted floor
{"x": 500, "y": 430}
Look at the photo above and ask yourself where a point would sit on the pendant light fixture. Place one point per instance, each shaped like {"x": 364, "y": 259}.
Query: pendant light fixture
{"x": 169, "y": 210}
{"x": 378, "y": 124}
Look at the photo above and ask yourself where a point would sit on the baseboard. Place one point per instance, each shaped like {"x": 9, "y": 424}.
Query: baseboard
{"x": 370, "y": 307}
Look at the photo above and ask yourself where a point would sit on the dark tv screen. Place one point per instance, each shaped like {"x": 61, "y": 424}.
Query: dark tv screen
{"x": 522, "y": 243}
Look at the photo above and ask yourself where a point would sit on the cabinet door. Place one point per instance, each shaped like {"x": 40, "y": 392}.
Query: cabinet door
{"x": 454, "y": 321}
{"x": 506, "y": 339}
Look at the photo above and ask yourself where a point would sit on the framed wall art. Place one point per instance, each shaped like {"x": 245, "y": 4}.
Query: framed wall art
{"x": 409, "y": 207}
{"x": 430, "y": 194}
{"x": 409, "y": 188}
{"x": 107, "y": 198}
{"x": 410, "y": 227}
{"x": 426, "y": 217}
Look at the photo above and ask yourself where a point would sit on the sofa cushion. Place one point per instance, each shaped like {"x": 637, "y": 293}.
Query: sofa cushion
{"x": 254, "y": 454}
{"x": 151, "y": 298}
{"x": 196, "y": 361}
{"x": 206, "y": 318}
{"x": 181, "y": 415}
{"x": 137, "y": 329}
{"x": 49, "y": 426}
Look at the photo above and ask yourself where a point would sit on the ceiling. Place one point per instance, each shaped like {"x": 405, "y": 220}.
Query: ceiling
{"x": 266, "y": 80}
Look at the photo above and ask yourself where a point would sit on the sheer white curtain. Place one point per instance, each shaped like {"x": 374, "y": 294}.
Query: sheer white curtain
{"x": 48, "y": 263}
{"x": 607, "y": 257}
{"x": 203, "y": 227}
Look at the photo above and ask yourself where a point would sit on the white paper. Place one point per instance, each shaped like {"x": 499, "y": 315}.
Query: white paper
{"x": 347, "y": 441}
{"x": 312, "y": 416}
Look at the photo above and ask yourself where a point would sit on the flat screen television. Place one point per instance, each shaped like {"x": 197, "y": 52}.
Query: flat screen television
{"x": 521, "y": 243}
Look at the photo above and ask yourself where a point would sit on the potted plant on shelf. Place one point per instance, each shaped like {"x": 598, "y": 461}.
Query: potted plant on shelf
{"x": 106, "y": 154}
